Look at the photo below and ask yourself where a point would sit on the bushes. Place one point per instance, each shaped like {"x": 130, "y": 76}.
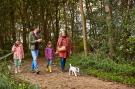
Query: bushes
{"x": 101, "y": 66}
{"x": 8, "y": 81}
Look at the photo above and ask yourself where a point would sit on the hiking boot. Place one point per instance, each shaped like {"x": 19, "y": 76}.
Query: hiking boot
{"x": 37, "y": 72}
{"x": 50, "y": 69}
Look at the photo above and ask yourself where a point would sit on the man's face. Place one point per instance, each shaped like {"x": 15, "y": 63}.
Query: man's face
{"x": 37, "y": 30}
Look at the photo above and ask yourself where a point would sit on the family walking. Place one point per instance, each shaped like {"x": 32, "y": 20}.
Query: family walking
{"x": 63, "y": 49}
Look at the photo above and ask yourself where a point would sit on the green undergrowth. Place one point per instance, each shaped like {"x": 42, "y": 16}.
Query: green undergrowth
{"x": 9, "y": 81}
{"x": 104, "y": 68}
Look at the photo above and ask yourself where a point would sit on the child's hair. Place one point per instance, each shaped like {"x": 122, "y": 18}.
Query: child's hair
{"x": 16, "y": 42}
{"x": 34, "y": 27}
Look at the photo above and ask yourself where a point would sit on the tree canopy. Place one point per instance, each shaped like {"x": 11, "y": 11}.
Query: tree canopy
{"x": 108, "y": 25}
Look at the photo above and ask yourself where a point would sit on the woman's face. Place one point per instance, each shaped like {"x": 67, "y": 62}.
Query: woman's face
{"x": 63, "y": 33}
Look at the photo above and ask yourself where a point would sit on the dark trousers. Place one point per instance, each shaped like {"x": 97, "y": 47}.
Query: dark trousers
{"x": 63, "y": 62}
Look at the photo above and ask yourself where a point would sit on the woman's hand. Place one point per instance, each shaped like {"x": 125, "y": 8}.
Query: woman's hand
{"x": 56, "y": 52}
{"x": 70, "y": 52}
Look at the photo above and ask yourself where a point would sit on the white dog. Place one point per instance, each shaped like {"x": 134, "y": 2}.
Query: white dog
{"x": 73, "y": 70}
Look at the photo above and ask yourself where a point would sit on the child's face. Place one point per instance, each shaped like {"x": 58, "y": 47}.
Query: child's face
{"x": 18, "y": 42}
{"x": 49, "y": 45}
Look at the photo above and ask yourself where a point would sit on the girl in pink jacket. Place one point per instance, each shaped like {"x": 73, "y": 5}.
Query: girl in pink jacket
{"x": 18, "y": 55}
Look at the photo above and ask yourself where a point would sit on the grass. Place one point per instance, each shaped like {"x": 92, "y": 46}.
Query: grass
{"x": 104, "y": 68}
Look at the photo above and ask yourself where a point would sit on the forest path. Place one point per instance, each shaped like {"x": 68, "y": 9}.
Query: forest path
{"x": 59, "y": 80}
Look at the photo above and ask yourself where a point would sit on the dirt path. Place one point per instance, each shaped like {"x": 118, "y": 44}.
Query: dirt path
{"x": 59, "y": 80}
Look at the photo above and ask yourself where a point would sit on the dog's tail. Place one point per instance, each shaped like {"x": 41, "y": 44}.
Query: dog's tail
{"x": 70, "y": 65}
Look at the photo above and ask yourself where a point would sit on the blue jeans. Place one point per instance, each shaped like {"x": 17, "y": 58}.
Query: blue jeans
{"x": 63, "y": 62}
{"x": 34, "y": 59}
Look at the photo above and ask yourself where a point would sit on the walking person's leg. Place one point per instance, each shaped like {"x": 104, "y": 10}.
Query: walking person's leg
{"x": 34, "y": 60}
{"x": 50, "y": 65}
{"x": 37, "y": 52}
{"x": 32, "y": 65}
{"x": 15, "y": 65}
{"x": 47, "y": 67}
{"x": 63, "y": 61}
{"x": 19, "y": 65}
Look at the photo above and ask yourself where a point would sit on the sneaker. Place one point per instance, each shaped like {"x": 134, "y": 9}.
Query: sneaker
{"x": 33, "y": 71}
{"x": 15, "y": 71}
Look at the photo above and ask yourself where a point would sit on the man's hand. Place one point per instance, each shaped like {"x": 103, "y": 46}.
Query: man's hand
{"x": 39, "y": 40}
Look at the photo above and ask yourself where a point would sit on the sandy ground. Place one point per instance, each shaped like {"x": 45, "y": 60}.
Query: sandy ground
{"x": 59, "y": 80}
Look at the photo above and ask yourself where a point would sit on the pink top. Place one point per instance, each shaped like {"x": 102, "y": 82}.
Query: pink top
{"x": 49, "y": 53}
{"x": 18, "y": 52}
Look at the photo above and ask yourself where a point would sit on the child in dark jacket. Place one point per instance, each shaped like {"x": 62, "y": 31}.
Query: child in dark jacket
{"x": 49, "y": 56}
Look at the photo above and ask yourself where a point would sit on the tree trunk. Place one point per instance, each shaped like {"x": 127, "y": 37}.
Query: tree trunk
{"x": 12, "y": 20}
{"x": 108, "y": 10}
{"x": 57, "y": 24}
{"x": 24, "y": 19}
{"x": 72, "y": 21}
{"x": 84, "y": 28}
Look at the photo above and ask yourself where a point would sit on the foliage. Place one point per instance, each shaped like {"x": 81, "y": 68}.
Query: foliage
{"x": 8, "y": 81}
{"x": 18, "y": 17}
{"x": 109, "y": 34}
